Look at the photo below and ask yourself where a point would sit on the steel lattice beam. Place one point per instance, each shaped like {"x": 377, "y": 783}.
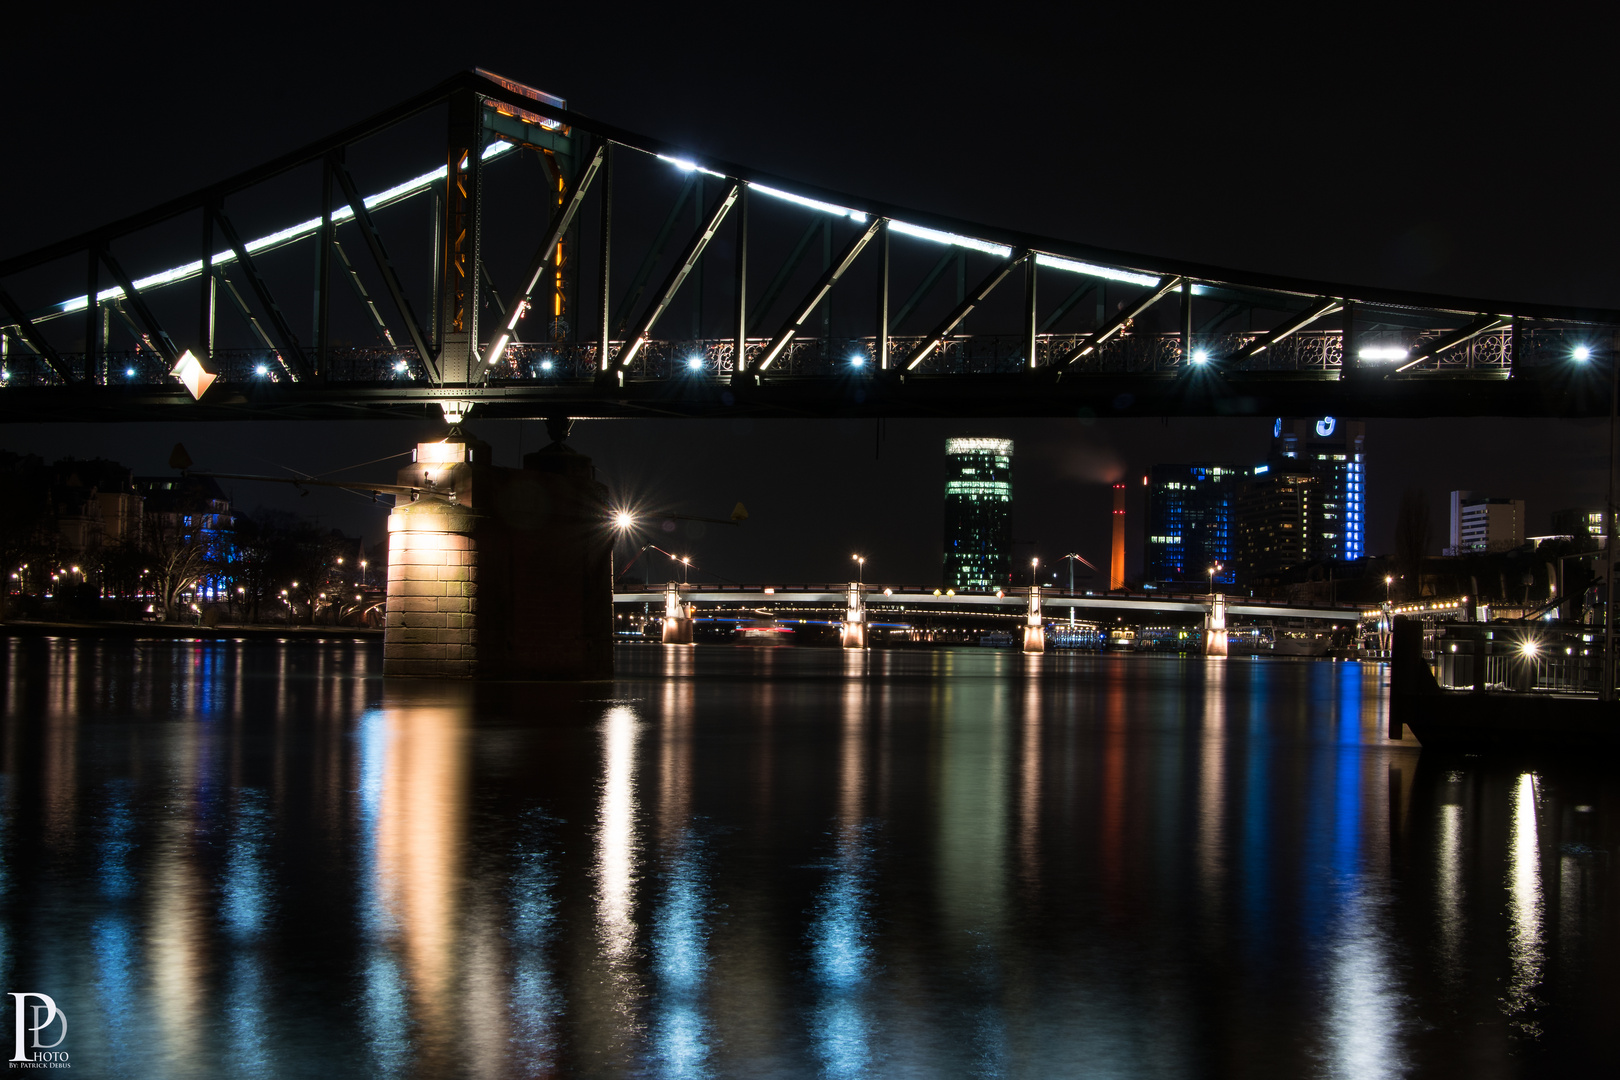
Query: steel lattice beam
{"x": 689, "y": 258}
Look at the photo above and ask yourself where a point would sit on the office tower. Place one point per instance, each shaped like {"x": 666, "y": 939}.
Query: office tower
{"x": 1480, "y": 523}
{"x": 1334, "y": 451}
{"x": 1189, "y": 522}
{"x": 1277, "y": 511}
{"x": 978, "y": 514}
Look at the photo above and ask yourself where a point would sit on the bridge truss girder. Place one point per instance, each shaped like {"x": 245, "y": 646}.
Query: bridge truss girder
{"x": 1239, "y": 344}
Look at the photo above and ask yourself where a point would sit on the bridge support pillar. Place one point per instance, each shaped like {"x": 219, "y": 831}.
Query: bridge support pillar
{"x": 855, "y": 631}
{"x": 1034, "y": 631}
{"x": 1215, "y": 640}
{"x": 677, "y": 617}
{"x": 499, "y": 572}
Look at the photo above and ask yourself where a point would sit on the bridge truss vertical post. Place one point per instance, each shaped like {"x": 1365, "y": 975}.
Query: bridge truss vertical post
{"x": 1347, "y": 341}
{"x": 604, "y": 346}
{"x": 1034, "y": 631}
{"x": 882, "y": 332}
{"x": 458, "y": 313}
{"x": 207, "y": 288}
{"x": 739, "y": 353}
{"x": 92, "y": 313}
{"x": 1186, "y": 321}
{"x": 323, "y": 269}
{"x": 1031, "y": 326}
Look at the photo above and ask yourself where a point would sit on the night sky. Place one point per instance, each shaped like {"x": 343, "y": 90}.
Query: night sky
{"x": 1378, "y": 148}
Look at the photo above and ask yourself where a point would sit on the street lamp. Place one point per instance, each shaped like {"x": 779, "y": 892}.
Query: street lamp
{"x": 1214, "y": 568}
{"x": 686, "y": 562}
{"x": 860, "y": 565}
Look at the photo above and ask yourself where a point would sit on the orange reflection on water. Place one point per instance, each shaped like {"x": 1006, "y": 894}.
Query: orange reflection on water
{"x": 421, "y": 830}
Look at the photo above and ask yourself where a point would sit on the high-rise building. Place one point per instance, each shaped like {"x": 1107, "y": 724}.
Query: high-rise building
{"x": 1189, "y": 522}
{"x": 1277, "y": 514}
{"x": 1334, "y": 451}
{"x": 978, "y": 514}
{"x": 1480, "y": 523}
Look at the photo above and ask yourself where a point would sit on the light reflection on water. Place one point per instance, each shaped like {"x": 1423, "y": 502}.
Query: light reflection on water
{"x": 260, "y": 860}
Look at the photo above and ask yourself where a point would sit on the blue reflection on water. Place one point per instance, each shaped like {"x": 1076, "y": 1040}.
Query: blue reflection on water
{"x": 118, "y": 956}
{"x": 244, "y": 901}
{"x": 841, "y": 960}
{"x": 1255, "y": 861}
{"x": 536, "y": 998}
{"x": 680, "y": 940}
{"x": 383, "y": 1009}
{"x": 113, "y": 874}
{"x": 245, "y": 906}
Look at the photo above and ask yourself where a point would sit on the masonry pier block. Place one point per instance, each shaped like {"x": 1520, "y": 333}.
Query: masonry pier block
{"x": 499, "y": 572}
{"x": 1034, "y": 624}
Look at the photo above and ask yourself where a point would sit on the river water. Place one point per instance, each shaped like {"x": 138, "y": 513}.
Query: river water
{"x": 261, "y": 860}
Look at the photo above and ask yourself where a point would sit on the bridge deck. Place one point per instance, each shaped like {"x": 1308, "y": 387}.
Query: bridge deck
{"x": 1013, "y": 602}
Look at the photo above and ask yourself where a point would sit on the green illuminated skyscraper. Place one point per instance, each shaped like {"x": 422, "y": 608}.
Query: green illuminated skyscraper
{"x": 978, "y": 514}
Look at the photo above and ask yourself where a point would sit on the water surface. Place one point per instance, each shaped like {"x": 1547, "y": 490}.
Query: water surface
{"x": 261, "y": 860}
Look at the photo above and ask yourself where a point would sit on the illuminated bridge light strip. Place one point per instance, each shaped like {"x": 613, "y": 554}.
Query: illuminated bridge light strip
{"x": 292, "y": 233}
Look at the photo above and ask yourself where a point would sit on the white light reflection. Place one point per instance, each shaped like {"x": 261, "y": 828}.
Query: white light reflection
{"x": 616, "y": 838}
{"x": 1451, "y": 890}
{"x": 840, "y": 931}
{"x": 1525, "y": 909}
{"x": 1366, "y": 1007}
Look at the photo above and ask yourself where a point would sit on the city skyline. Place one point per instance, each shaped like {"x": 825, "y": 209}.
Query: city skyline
{"x": 892, "y": 499}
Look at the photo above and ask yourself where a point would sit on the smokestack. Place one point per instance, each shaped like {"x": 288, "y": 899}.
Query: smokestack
{"x": 1116, "y": 565}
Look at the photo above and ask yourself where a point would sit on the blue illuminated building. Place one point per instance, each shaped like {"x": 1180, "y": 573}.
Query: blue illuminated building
{"x": 1189, "y": 523}
{"x": 1332, "y": 450}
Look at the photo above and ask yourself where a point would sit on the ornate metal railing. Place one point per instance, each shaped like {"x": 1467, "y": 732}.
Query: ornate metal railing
{"x": 1126, "y": 354}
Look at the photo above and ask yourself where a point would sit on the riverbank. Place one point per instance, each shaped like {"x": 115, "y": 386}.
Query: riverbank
{"x": 34, "y": 628}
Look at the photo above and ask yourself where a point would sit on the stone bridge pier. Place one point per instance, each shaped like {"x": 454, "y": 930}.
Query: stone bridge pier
{"x": 499, "y": 572}
{"x": 1215, "y": 640}
{"x": 1034, "y": 630}
{"x": 855, "y": 632}
{"x": 677, "y": 616}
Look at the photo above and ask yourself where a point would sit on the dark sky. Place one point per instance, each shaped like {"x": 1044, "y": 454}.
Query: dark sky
{"x": 1375, "y": 146}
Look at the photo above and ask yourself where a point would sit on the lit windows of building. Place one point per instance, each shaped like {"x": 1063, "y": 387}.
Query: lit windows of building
{"x": 978, "y": 514}
{"x": 1336, "y": 452}
{"x": 1480, "y": 523}
{"x": 1189, "y": 523}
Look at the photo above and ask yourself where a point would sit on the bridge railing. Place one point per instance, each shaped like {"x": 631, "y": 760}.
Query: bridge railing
{"x": 1134, "y": 353}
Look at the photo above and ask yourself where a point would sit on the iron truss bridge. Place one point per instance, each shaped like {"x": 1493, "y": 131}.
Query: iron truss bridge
{"x": 834, "y": 596}
{"x": 483, "y": 249}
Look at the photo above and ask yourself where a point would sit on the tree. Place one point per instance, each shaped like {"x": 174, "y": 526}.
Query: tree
{"x": 176, "y": 562}
{"x": 1412, "y": 538}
